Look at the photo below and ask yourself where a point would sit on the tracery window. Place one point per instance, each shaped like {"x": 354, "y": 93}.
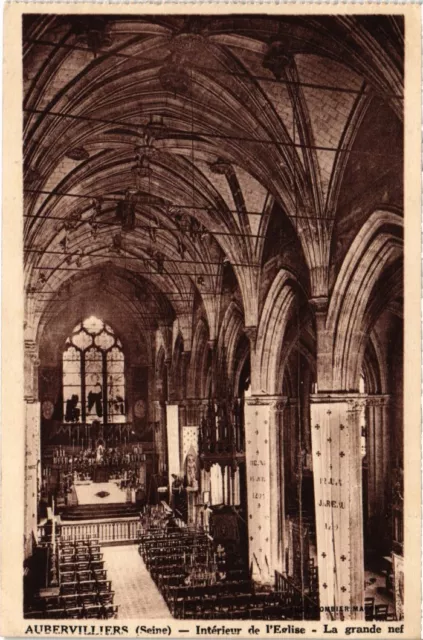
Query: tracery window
{"x": 93, "y": 374}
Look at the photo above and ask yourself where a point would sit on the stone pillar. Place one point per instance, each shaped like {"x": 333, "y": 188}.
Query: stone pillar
{"x": 337, "y": 471}
{"x": 32, "y": 471}
{"x": 291, "y": 445}
{"x": 31, "y": 364}
{"x": 212, "y": 344}
{"x": 32, "y": 442}
{"x": 277, "y": 482}
{"x": 173, "y": 442}
{"x": 170, "y": 387}
{"x": 186, "y": 356}
{"x": 265, "y": 495}
{"x": 324, "y": 344}
{"x": 160, "y": 436}
{"x": 378, "y": 463}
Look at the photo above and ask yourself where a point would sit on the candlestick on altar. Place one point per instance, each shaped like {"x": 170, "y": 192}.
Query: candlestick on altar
{"x": 53, "y": 545}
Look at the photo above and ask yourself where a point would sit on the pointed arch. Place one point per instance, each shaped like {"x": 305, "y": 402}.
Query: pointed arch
{"x": 197, "y": 369}
{"x": 377, "y": 246}
{"x": 276, "y": 315}
{"x": 229, "y": 336}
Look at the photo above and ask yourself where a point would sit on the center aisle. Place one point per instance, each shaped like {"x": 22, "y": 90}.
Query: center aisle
{"x": 135, "y": 592}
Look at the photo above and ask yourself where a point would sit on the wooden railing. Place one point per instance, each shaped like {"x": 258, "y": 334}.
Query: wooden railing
{"x": 106, "y": 532}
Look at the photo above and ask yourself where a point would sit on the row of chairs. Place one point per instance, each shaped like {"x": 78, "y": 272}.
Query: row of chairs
{"x": 373, "y": 611}
{"x": 219, "y": 589}
{"x": 87, "y": 543}
{"x": 84, "y": 591}
{"x": 231, "y": 598}
{"x": 176, "y": 548}
{"x": 313, "y": 578}
{"x": 244, "y": 607}
{"x": 85, "y": 565}
{"x": 182, "y": 537}
{"x": 85, "y": 586}
{"x": 79, "y": 555}
{"x": 175, "y": 542}
{"x": 95, "y": 611}
{"x": 178, "y": 558}
{"x": 81, "y": 576}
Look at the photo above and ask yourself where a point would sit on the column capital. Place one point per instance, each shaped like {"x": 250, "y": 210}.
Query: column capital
{"x": 278, "y": 403}
{"x": 356, "y": 402}
{"x": 31, "y": 350}
{"x": 193, "y": 402}
{"x": 335, "y": 396}
{"x": 319, "y": 304}
{"x": 251, "y": 333}
{"x": 378, "y": 400}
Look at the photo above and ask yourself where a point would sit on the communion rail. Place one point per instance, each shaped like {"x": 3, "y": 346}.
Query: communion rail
{"x": 106, "y": 532}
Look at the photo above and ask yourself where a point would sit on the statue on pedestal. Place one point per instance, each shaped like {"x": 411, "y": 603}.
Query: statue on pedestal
{"x": 191, "y": 470}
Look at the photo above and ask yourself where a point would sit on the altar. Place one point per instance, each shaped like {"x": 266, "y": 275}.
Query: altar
{"x": 99, "y": 493}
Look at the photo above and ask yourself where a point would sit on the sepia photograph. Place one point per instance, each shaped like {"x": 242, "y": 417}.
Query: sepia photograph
{"x": 212, "y": 255}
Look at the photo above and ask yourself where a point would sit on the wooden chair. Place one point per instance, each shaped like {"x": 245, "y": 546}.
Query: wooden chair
{"x": 67, "y": 588}
{"x": 93, "y": 542}
{"x": 69, "y": 601}
{"x": 52, "y": 602}
{"x": 84, "y": 575}
{"x": 369, "y": 608}
{"x": 99, "y": 574}
{"x": 109, "y": 611}
{"x": 56, "y": 614}
{"x": 87, "y": 586}
{"x": 92, "y": 611}
{"x": 106, "y": 597}
{"x": 74, "y": 613}
{"x": 103, "y": 586}
{"x": 381, "y": 611}
{"x": 67, "y": 576}
{"x": 87, "y": 599}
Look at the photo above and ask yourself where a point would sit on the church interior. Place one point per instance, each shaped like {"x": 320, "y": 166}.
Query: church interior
{"x": 213, "y": 259}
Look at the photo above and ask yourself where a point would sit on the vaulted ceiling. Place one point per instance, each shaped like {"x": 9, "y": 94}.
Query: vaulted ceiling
{"x": 156, "y": 148}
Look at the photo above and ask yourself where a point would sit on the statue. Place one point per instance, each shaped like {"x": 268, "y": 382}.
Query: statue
{"x": 99, "y": 453}
{"x": 191, "y": 470}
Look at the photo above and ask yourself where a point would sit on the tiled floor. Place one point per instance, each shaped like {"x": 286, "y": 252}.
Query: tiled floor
{"x": 135, "y": 592}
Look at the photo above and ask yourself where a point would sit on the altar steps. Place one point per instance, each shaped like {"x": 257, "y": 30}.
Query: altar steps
{"x": 100, "y": 511}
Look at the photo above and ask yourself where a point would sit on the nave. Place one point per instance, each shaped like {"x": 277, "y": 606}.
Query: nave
{"x": 213, "y": 243}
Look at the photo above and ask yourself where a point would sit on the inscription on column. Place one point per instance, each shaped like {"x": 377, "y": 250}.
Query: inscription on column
{"x": 331, "y": 450}
{"x": 258, "y": 490}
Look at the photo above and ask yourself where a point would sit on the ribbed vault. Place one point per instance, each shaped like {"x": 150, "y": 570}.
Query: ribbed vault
{"x": 159, "y": 145}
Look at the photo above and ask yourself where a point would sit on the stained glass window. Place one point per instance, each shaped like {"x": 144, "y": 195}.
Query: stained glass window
{"x": 115, "y": 385}
{"x": 93, "y": 374}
